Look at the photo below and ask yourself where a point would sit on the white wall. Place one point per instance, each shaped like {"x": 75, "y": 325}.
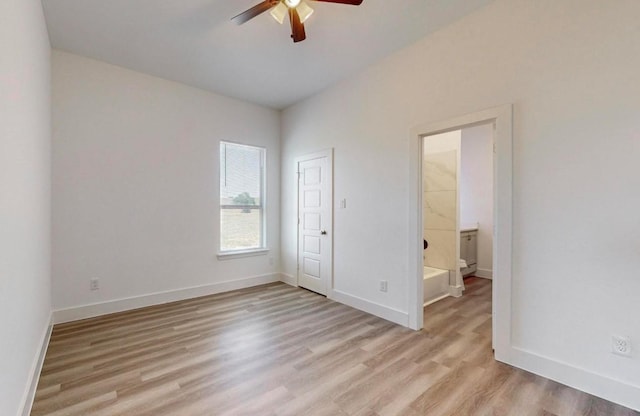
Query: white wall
{"x": 476, "y": 190}
{"x": 442, "y": 142}
{"x": 571, "y": 69}
{"x": 135, "y": 185}
{"x": 25, "y": 182}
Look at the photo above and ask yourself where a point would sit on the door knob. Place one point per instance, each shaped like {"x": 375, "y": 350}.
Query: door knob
{"x": 323, "y": 232}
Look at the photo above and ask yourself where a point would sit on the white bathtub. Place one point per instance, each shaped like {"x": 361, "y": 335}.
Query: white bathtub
{"x": 436, "y": 285}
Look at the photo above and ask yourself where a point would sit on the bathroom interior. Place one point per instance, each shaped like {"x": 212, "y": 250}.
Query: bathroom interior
{"x": 457, "y": 214}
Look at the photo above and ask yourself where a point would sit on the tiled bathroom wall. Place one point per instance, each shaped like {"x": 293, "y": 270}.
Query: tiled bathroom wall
{"x": 440, "y": 193}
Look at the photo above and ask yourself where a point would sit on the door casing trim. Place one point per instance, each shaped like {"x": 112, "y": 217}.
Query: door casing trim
{"x": 502, "y": 117}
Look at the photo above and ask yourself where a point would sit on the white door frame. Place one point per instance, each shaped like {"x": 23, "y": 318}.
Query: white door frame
{"x": 328, "y": 153}
{"x": 502, "y": 216}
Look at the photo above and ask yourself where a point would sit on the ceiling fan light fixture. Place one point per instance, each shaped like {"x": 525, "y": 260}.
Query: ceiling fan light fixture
{"x": 304, "y": 11}
{"x": 298, "y": 12}
{"x": 279, "y": 12}
{"x": 292, "y": 4}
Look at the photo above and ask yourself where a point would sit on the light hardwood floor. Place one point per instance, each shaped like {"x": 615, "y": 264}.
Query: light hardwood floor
{"x": 278, "y": 350}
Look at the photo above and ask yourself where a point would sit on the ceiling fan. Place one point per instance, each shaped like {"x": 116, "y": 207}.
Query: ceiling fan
{"x": 298, "y": 11}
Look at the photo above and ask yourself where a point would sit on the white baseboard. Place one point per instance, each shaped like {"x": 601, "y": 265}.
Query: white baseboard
{"x": 390, "y": 314}
{"x": 432, "y": 301}
{"x": 125, "y": 304}
{"x": 584, "y": 380}
{"x": 484, "y": 273}
{"x": 36, "y": 368}
{"x": 288, "y": 279}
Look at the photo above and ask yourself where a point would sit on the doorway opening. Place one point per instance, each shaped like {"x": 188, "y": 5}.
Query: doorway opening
{"x": 457, "y": 179}
{"x": 499, "y": 120}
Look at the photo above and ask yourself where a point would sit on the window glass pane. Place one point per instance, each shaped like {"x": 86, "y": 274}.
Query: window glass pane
{"x": 241, "y": 197}
{"x": 240, "y": 229}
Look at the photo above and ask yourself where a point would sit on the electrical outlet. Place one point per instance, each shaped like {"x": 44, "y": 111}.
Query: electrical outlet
{"x": 271, "y": 261}
{"x": 621, "y": 345}
{"x": 383, "y": 285}
{"x": 94, "y": 284}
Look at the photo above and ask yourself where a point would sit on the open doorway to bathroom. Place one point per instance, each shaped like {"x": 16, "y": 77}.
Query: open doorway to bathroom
{"x": 498, "y": 119}
{"x": 457, "y": 179}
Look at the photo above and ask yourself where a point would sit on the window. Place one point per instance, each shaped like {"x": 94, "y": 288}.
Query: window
{"x": 242, "y": 181}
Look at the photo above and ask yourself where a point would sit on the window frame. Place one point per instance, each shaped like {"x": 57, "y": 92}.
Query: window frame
{"x": 262, "y": 207}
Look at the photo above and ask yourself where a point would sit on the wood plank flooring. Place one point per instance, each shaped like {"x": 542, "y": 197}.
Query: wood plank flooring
{"x": 278, "y": 350}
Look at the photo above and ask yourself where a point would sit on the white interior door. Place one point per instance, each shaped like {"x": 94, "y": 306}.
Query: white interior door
{"x": 315, "y": 231}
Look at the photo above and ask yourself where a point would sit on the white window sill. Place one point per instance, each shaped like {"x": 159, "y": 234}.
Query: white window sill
{"x": 228, "y": 255}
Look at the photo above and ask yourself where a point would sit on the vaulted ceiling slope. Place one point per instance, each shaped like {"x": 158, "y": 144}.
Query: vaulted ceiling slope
{"x": 194, "y": 41}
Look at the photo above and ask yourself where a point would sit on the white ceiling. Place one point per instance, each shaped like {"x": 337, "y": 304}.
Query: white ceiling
{"x": 194, "y": 41}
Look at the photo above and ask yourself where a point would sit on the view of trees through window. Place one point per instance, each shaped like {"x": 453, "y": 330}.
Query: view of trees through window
{"x": 241, "y": 197}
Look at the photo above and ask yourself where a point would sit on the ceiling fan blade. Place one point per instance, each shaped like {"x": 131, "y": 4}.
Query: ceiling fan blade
{"x": 297, "y": 27}
{"x": 352, "y": 2}
{"x": 254, "y": 11}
